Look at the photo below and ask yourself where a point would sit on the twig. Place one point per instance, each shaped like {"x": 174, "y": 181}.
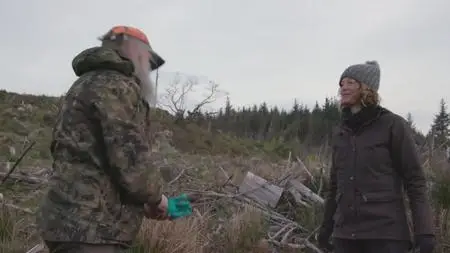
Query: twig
{"x": 273, "y": 214}
{"x": 304, "y": 244}
{"x": 283, "y": 180}
{"x": 177, "y": 177}
{"x": 37, "y": 248}
{"x": 17, "y": 162}
{"x": 303, "y": 166}
{"x": 218, "y": 229}
{"x": 224, "y": 172}
{"x": 229, "y": 178}
{"x": 312, "y": 233}
{"x": 312, "y": 246}
{"x": 239, "y": 199}
{"x": 25, "y": 210}
{"x": 321, "y": 183}
{"x": 290, "y": 245}
{"x": 280, "y": 231}
{"x": 285, "y": 237}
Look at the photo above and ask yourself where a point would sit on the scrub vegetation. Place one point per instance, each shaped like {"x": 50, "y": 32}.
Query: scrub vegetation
{"x": 208, "y": 154}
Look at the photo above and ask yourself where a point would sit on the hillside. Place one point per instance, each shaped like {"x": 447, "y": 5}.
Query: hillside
{"x": 197, "y": 160}
{"x": 25, "y": 118}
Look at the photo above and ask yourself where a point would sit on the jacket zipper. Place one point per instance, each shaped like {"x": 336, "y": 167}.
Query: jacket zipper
{"x": 364, "y": 197}
{"x": 353, "y": 143}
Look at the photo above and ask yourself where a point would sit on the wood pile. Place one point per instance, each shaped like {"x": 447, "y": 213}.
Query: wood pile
{"x": 266, "y": 197}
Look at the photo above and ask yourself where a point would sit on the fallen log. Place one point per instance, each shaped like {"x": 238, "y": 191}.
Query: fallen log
{"x": 298, "y": 197}
{"x": 305, "y": 192}
{"x": 258, "y": 189}
{"x": 23, "y": 178}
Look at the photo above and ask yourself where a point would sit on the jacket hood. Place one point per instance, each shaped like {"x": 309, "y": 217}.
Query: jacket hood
{"x": 97, "y": 58}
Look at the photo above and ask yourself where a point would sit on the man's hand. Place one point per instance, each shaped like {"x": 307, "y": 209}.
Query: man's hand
{"x": 157, "y": 212}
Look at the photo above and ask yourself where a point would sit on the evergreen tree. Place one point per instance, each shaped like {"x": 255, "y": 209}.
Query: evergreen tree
{"x": 410, "y": 120}
{"x": 440, "y": 126}
{"x": 287, "y": 129}
{"x": 228, "y": 108}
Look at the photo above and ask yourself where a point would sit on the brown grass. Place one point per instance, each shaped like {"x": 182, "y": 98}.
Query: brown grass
{"x": 177, "y": 237}
{"x": 241, "y": 233}
{"x": 214, "y": 227}
{"x": 15, "y": 231}
{"x": 217, "y": 227}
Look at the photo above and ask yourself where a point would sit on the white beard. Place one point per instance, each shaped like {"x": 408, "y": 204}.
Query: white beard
{"x": 148, "y": 88}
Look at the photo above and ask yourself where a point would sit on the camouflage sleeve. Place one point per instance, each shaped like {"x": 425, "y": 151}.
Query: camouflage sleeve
{"x": 128, "y": 150}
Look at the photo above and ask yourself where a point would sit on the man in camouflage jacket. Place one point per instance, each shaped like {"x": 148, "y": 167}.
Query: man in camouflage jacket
{"x": 105, "y": 180}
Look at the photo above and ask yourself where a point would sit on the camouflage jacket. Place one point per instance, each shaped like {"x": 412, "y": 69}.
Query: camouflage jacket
{"x": 103, "y": 169}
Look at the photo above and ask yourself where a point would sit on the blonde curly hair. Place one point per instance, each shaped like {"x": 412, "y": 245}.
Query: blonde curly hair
{"x": 368, "y": 96}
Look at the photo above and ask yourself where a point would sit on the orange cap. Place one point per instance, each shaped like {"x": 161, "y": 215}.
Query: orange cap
{"x": 156, "y": 61}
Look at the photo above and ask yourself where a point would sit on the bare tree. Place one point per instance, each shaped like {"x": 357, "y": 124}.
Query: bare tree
{"x": 211, "y": 94}
{"x": 175, "y": 99}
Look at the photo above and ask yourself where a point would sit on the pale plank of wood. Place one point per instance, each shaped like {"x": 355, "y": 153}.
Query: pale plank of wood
{"x": 259, "y": 190}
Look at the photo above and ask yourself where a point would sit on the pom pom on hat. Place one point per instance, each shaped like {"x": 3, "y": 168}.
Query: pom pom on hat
{"x": 375, "y": 63}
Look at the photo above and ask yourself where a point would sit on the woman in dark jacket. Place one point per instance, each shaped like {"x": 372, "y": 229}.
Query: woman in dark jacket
{"x": 374, "y": 161}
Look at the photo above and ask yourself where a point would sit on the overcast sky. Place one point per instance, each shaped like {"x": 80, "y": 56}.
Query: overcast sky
{"x": 257, "y": 50}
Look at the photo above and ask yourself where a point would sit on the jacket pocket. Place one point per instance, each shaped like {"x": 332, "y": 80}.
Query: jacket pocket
{"x": 381, "y": 206}
{"x": 380, "y": 196}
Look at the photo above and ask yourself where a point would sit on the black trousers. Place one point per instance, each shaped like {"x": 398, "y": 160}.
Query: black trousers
{"x": 370, "y": 246}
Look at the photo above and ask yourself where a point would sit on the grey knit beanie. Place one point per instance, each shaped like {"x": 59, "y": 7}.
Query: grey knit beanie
{"x": 367, "y": 73}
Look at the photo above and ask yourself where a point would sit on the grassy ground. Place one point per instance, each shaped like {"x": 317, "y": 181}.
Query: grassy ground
{"x": 203, "y": 156}
{"x": 214, "y": 227}
{"x": 217, "y": 226}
